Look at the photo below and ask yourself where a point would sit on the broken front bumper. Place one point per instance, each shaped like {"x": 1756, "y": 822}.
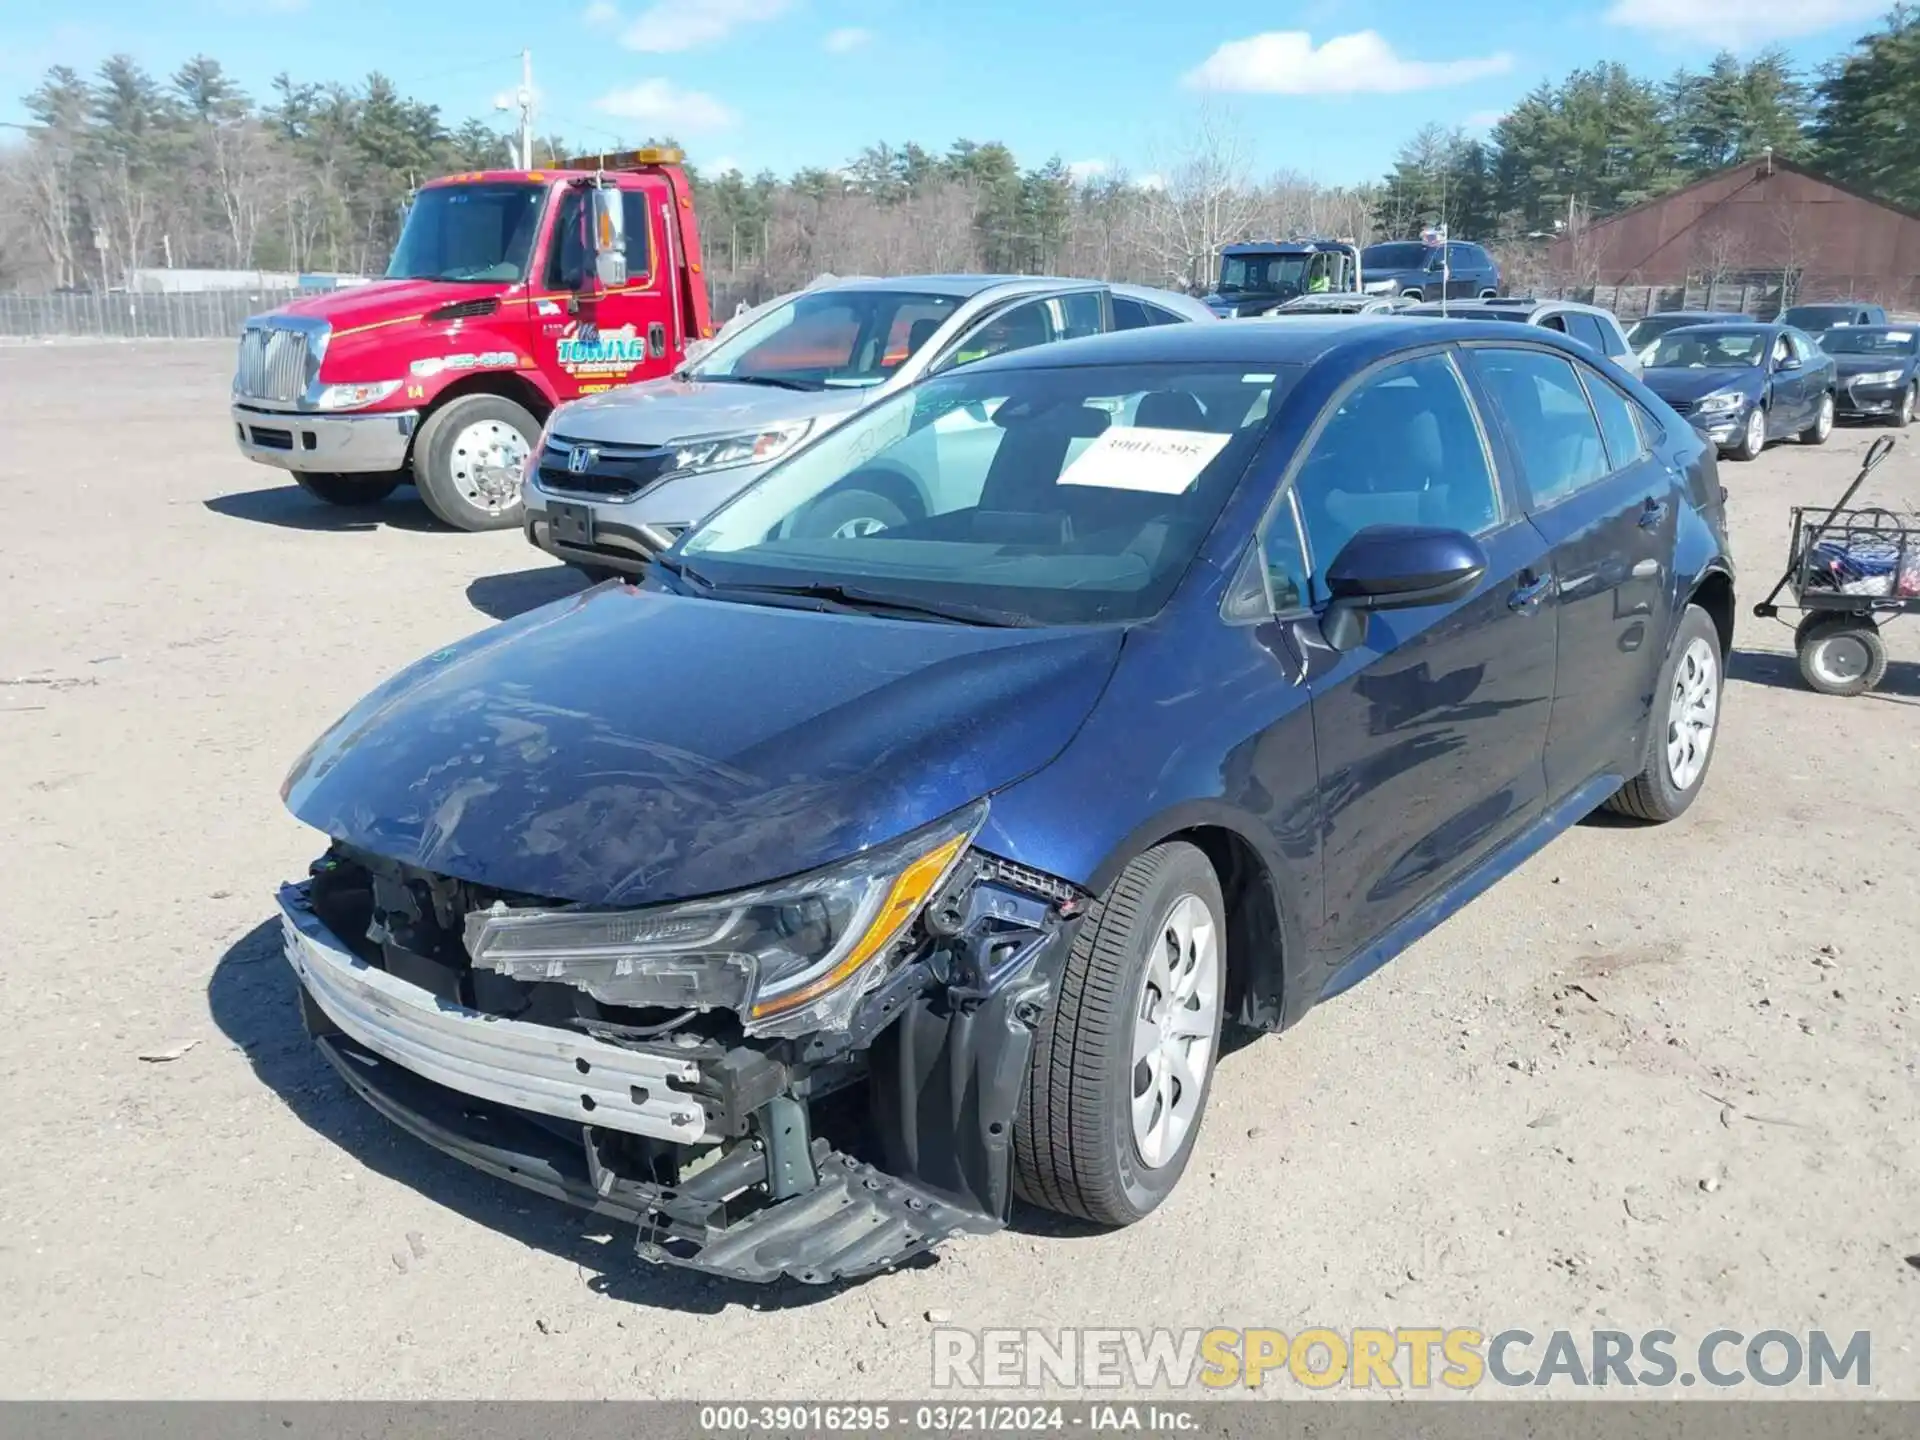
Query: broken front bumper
{"x": 708, "y": 1147}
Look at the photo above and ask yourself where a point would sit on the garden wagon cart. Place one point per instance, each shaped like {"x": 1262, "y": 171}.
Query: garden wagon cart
{"x": 1849, "y": 570}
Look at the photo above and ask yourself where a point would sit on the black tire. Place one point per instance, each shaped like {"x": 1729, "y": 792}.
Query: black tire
{"x": 1909, "y": 404}
{"x": 439, "y": 450}
{"x": 849, "y": 507}
{"x": 1746, "y": 449}
{"x": 1653, "y": 795}
{"x": 1822, "y": 427}
{"x": 1416, "y": 296}
{"x": 1842, "y": 655}
{"x": 348, "y": 489}
{"x": 1074, "y": 1150}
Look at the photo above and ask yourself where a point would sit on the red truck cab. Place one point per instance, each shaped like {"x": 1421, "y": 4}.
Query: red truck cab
{"x": 506, "y": 295}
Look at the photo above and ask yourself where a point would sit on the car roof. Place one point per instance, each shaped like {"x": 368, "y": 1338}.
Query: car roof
{"x": 1732, "y": 327}
{"x": 1303, "y": 340}
{"x": 1695, "y": 315}
{"x": 962, "y": 286}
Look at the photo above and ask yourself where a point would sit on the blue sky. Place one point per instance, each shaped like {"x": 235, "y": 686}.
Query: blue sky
{"x": 1327, "y": 88}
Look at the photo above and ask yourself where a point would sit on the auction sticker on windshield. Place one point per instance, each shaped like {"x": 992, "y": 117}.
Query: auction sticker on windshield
{"x": 1136, "y": 457}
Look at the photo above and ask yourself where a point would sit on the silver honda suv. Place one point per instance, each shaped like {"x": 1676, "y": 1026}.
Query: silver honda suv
{"x": 617, "y": 476}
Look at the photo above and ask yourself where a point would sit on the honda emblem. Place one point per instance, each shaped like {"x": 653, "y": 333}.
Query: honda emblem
{"x": 579, "y": 459}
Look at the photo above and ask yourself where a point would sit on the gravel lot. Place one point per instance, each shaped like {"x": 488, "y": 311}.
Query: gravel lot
{"x": 1657, "y": 1078}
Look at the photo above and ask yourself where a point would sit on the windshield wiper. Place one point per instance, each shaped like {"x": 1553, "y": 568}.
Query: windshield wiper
{"x": 876, "y": 603}
{"x": 680, "y": 570}
{"x": 776, "y": 381}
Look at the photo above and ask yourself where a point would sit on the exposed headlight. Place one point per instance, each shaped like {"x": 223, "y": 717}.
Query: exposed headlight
{"x": 753, "y": 448}
{"x": 791, "y": 958}
{"x": 1721, "y": 402}
{"x": 354, "y": 397}
{"x": 1876, "y": 377}
{"x": 1381, "y": 287}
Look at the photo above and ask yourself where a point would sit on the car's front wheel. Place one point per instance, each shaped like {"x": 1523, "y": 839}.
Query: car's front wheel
{"x": 1909, "y": 402}
{"x": 1822, "y": 426}
{"x": 1123, "y": 1061}
{"x": 1682, "y": 728}
{"x": 1753, "y": 436}
{"x": 468, "y": 460}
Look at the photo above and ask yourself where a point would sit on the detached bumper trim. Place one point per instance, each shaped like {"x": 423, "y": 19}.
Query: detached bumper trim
{"x": 331, "y": 444}
{"x": 511, "y": 1062}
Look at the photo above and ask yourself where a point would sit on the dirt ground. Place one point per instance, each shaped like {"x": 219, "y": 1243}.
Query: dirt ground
{"x": 1656, "y": 1078}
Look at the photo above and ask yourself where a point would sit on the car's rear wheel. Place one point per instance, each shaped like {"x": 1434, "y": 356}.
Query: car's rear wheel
{"x": 347, "y": 489}
{"x": 1123, "y": 1061}
{"x": 469, "y": 458}
{"x": 1753, "y": 436}
{"x": 1683, "y": 727}
{"x": 849, "y": 514}
{"x": 1822, "y": 427}
{"x": 1842, "y": 655}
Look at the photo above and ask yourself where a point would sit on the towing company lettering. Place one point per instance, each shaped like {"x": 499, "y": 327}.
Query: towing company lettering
{"x": 585, "y": 350}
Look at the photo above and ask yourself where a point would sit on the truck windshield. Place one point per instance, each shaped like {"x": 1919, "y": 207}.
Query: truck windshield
{"x": 468, "y": 232}
{"x": 823, "y": 339}
{"x": 1263, "y": 274}
{"x": 1857, "y": 341}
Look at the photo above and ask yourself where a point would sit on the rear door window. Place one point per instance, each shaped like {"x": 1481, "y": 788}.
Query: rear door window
{"x": 1584, "y": 328}
{"x": 1130, "y": 314}
{"x": 1549, "y": 418}
{"x": 1625, "y": 442}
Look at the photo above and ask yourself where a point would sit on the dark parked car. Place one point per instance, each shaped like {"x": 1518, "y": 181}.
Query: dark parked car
{"x": 1745, "y": 385}
{"x": 1817, "y": 320}
{"x": 809, "y": 899}
{"x": 1416, "y": 270}
{"x": 1879, "y": 371}
{"x": 1650, "y": 328}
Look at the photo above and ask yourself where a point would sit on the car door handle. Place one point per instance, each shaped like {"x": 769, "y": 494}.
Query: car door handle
{"x": 1652, "y": 513}
{"x": 1531, "y": 590}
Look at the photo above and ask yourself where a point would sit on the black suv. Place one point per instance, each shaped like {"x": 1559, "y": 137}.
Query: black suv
{"x": 1421, "y": 272}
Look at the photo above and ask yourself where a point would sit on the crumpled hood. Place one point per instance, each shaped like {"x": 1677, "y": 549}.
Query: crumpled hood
{"x": 629, "y": 746}
{"x": 1680, "y": 384}
{"x": 657, "y": 411}
{"x": 382, "y": 300}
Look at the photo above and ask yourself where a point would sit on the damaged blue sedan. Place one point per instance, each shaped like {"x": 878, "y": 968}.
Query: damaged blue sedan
{"x": 807, "y": 901}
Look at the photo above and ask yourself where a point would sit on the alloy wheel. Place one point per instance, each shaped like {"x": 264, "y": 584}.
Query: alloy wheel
{"x": 859, "y": 527}
{"x": 1756, "y": 431}
{"x": 488, "y": 458}
{"x": 1823, "y": 425}
{"x": 1173, "y": 1029}
{"x": 1693, "y": 707}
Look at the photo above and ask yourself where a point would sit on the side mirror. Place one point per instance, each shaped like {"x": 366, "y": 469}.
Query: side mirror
{"x": 1396, "y": 567}
{"x": 609, "y": 238}
{"x": 1786, "y": 362}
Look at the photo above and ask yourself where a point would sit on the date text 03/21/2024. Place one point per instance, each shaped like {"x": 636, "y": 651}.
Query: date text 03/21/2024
{"x": 944, "y": 1419}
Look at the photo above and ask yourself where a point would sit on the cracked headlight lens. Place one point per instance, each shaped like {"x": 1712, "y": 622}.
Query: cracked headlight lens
{"x": 1721, "y": 402}
{"x": 792, "y": 957}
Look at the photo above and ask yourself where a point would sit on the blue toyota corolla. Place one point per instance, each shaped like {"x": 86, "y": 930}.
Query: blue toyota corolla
{"x": 808, "y": 900}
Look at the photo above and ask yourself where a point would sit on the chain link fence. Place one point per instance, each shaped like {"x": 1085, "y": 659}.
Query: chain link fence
{"x": 177, "y": 315}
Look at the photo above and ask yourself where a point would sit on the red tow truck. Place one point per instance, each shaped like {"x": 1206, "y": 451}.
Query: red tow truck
{"x": 509, "y": 292}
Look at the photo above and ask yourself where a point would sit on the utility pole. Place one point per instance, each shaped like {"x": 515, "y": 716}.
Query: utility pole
{"x": 526, "y": 109}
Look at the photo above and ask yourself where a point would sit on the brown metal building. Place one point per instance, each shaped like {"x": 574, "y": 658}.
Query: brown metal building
{"x": 1759, "y": 222}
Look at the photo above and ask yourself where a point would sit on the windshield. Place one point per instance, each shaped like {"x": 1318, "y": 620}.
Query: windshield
{"x": 1646, "y": 331}
{"x": 1050, "y": 496}
{"x": 1708, "y": 350}
{"x": 1396, "y": 255}
{"x": 1818, "y": 317}
{"x": 1263, "y": 274}
{"x": 823, "y": 338}
{"x": 1851, "y": 341}
{"x": 468, "y": 232}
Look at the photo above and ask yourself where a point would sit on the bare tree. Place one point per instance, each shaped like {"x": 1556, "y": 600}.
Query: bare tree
{"x": 240, "y": 164}
{"x": 1797, "y": 242}
{"x": 1719, "y": 253}
{"x": 51, "y": 195}
{"x": 1205, "y": 199}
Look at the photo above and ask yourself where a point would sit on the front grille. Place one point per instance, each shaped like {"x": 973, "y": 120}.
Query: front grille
{"x": 275, "y": 364}
{"x": 613, "y": 472}
{"x": 1681, "y": 407}
{"x": 271, "y": 438}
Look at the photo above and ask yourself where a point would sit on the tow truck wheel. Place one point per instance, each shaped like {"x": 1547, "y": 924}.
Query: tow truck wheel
{"x": 1123, "y": 1061}
{"x": 348, "y": 489}
{"x": 468, "y": 459}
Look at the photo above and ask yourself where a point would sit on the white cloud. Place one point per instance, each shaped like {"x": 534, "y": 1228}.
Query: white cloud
{"x": 673, "y": 25}
{"x": 850, "y": 37}
{"x": 601, "y": 14}
{"x": 664, "y": 105}
{"x": 1152, "y": 180}
{"x": 1084, "y": 170}
{"x": 1287, "y": 62}
{"x": 1746, "y": 24}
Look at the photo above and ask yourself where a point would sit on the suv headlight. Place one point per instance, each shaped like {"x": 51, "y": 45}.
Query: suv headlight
{"x": 1721, "y": 402}
{"x": 792, "y": 958}
{"x": 753, "y": 448}
{"x": 1877, "y": 377}
{"x": 354, "y": 397}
